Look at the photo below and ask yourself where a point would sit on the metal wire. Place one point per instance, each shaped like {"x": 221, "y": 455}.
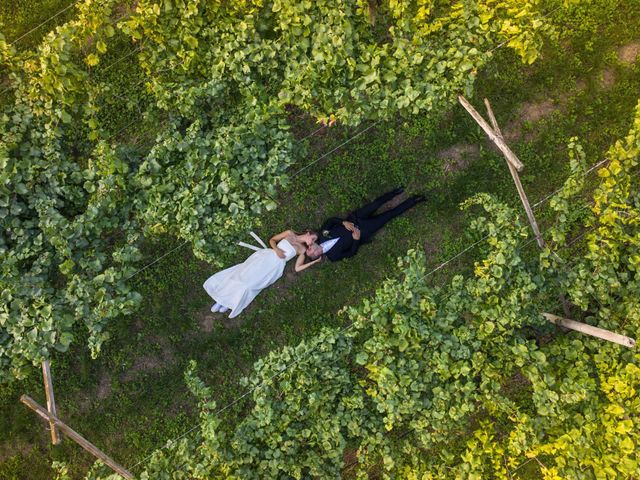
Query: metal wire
{"x": 43, "y": 23}
{"x": 312, "y": 349}
{"x": 334, "y": 149}
{"x": 238, "y": 399}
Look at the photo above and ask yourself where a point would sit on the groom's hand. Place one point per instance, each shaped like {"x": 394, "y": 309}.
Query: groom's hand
{"x": 355, "y": 231}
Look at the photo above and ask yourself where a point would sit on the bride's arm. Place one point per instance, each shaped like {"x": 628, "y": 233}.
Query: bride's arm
{"x": 275, "y": 239}
{"x": 300, "y": 265}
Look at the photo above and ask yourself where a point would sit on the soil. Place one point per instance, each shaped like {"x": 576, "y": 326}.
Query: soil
{"x": 608, "y": 79}
{"x": 151, "y": 362}
{"x": 432, "y": 246}
{"x": 104, "y": 386}
{"x": 532, "y": 112}
{"x": 529, "y": 112}
{"x": 629, "y": 53}
{"x": 458, "y": 156}
{"x": 12, "y": 449}
{"x": 206, "y": 322}
{"x": 581, "y": 84}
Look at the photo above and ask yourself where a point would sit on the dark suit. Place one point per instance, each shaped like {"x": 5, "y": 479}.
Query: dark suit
{"x": 365, "y": 220}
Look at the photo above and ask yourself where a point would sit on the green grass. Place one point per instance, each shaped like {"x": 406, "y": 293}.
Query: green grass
{"x": 129, "y": 414}
{"x": 17, "y": 18}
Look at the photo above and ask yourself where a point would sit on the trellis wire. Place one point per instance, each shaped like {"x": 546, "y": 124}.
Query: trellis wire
{"x": 133, "y": 50}
{"x": 404, "y": 434}
{"x": 536, "y": 205}
{"x": 169, "y": 442}
{"x": 335, "y": 148}
{"x": 310, "y": 350}
{"x": 43, "y": 23}
{"x": 157, "y": 259}
{"x": 295, "y": 174}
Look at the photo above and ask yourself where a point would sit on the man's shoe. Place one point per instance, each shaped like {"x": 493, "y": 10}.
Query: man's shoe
{"x": 397, "y": 191}
{"x": 418, "y": 198}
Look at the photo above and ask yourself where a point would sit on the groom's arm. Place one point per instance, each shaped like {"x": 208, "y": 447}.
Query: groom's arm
{"x": 354, "y": 249}
{"x": 334, "y": 256}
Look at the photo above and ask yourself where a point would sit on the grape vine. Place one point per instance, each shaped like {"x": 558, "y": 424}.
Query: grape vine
{"x": 465, "y": 380}
{"x": 218, "y": 78}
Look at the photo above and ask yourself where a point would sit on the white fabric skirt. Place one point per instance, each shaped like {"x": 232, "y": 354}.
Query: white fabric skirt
{"x": 237, "y": 286}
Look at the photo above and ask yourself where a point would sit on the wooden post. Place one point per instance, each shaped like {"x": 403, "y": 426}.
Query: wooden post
{"x": 515, "y": 165}
{"x": 51, "y": 401}
{"x": 516, "y": 180}
{"x": 76, "y": 437}
{"x": 495, "y": 138}
{"x": 590, "y": 330}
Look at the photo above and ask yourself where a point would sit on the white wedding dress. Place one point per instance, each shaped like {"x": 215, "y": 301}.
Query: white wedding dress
{"x": 237, "y": 286}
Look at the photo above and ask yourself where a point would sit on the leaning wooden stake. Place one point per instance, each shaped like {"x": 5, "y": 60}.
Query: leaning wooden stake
{"x": 51, "y": 401}
{"x": 497, "y": 139}
{"x": 515, "y": 165}
{"x": 516, "y": 179}
{"x": 75, "y": 436}
{"x": 590, "y": 330}
{"x": 513, "y": 162}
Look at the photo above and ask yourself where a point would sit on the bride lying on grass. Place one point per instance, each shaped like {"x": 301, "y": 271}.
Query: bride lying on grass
{"x": 235, "y": 287}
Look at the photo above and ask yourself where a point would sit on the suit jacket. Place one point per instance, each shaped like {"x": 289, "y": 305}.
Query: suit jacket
{"x": 345, "y": 247}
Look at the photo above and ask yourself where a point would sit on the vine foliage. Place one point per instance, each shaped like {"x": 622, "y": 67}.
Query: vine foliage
{"x": 218, "y": 80}
{"x": 464, "y": 380}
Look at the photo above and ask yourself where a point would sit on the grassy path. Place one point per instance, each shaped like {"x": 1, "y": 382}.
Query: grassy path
{"x": 133, "y": 397}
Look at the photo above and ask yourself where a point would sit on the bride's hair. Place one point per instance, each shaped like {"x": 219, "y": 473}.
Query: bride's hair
{"x": 308, "y": 259}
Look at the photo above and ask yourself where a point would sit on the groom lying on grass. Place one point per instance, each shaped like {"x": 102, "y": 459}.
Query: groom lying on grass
{"x": 340, "y": 239}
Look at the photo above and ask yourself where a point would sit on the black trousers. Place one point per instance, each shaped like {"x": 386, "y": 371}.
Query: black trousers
{"x": 368, "y": 223}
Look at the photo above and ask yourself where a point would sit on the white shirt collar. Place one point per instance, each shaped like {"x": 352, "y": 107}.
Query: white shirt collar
{"x": 328, "y": 244}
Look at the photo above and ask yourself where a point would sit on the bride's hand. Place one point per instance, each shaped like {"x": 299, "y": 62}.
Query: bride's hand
{"x": 280, "y": 252}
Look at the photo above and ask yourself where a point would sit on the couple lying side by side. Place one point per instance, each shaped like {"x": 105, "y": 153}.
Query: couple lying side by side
{"x": 234, "y": 288}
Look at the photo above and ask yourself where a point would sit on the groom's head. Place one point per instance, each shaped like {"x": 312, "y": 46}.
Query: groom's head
{"x": 314, "y": 251}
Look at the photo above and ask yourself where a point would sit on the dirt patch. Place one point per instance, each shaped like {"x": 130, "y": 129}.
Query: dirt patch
{"x": 608, "y": 79}
{"x": 432, "y": 246}
{"x": 529, "y": 112}
{"x": 206, "y": 321}
{"x": 532, "y": 112}
{"x": 182, "y": 405}
{"x": 232, "y": 323}
{"x": 104, "y": 386}
{"x": 629, "y": 53}
{"x": 13, "y": 448}
{"x": 458, "y": 156}
{"x": 156, "y": 361}
{"x": 87, "y": 399}
{"x": 581, "y": 85}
